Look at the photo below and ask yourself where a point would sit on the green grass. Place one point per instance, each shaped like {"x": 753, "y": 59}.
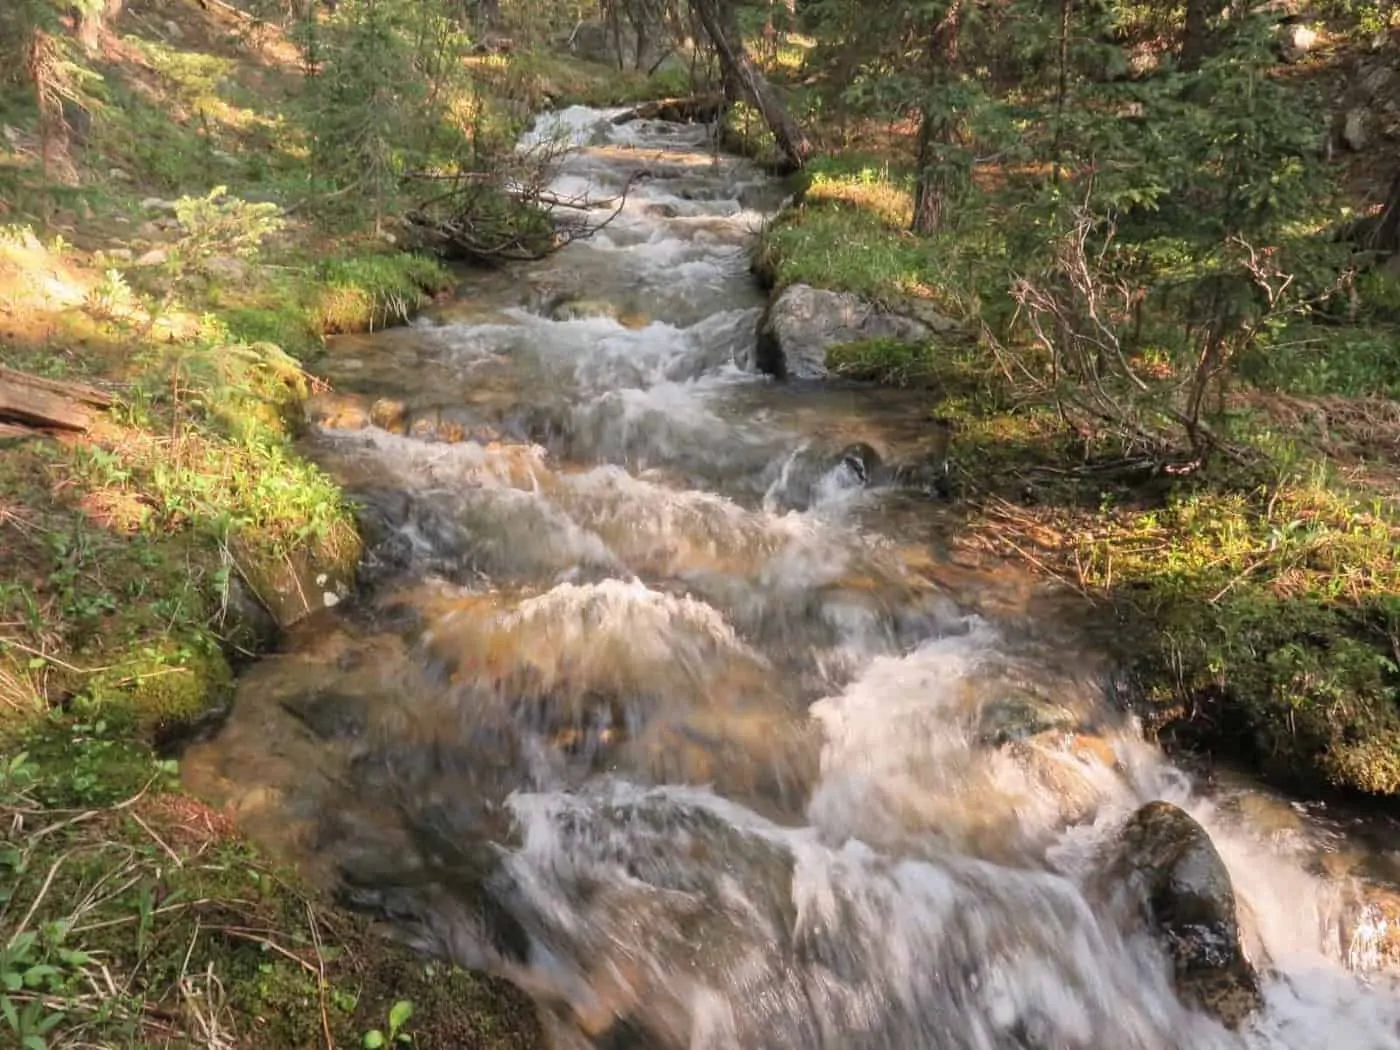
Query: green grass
{"x": 367, "y": 292}
{"x": 132, "y": 916}
{"x": 850, "y": 232}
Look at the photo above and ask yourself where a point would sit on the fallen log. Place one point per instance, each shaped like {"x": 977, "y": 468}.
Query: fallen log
{"x": 33, "y": 401}
{"x": 696, "y": 109}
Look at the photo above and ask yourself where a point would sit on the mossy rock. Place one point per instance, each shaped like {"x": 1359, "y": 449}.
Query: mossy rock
{"x": 293, "y": 586}
{"x": 164, "y": 685}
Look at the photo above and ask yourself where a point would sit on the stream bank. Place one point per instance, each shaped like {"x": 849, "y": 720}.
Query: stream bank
{"x": 147, "y": 560}
{"x": 1253, "y": 602}
{"x": 143, "y": 563}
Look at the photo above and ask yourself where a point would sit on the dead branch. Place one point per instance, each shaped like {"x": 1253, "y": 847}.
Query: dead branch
{"x": 539, "y": 226}
{"x": 1077, "y": 311}
{"x": 696, "y": 109}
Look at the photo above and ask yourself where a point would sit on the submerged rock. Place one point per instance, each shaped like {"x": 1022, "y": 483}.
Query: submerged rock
{"x": 814, "y": 473}
{"x": 803, "y": 323}
{"x": 1021, "y": 716}
{"x": 1370, "y": 929}
{"x": 1165, "y": 868}
{"x": 583, "y": 309}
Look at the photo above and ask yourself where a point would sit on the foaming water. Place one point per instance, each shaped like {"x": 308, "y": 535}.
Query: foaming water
{"x": 658, "y": 704}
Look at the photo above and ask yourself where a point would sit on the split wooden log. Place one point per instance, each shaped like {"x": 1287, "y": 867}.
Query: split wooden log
{"x": 47, "y": 404}
{"x": 695, "y": 109}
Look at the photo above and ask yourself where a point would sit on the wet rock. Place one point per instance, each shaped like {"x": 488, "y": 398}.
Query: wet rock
{"x": 295, "y": 587}
{"x": 1165, "y": 871}
{"x": 803, "y": 323}
{"x": 247, "y": 623}
{"x": 927, "y": 474}
{"x": 336, "y": 411}
{"x": 1370, "y": 928}
{"x": 389, "y": 414}
{"x": 864, "y": 462}
{"x": 407, "y": 534}
{"x": 331, "y": 716}
{"x": 813, "y": 473}
{"x": 449, "y": 424}
{"x": 582, "y": 309}
{"x": 1020, "y": 716}
{"x": 544, "y": 292}
{"x": 765, "y": 196}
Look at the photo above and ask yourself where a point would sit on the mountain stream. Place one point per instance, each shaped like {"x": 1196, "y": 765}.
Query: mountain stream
{"x": 660, "y": 702}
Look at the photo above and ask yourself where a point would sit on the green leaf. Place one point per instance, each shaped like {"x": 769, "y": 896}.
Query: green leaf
{"x": 35, "y": 975}
{"x": 50, "y": 1021}
{"x": 22, "y": 945}
{"x": 399, "y": 1014}
{"x": 34, "y": 1042}
{"x": 373, "y": 1039}
{"x": 7, "y": 1007}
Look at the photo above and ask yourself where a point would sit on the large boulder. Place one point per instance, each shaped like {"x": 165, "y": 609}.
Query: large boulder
{"x": 1165, "y": 872}
{"x": 803, "y": 323}
{"x": 1297, "y": 41}
{"x": 625, "y": 45}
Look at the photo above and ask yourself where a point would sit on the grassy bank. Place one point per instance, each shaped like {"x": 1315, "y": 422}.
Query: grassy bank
{"x": 1257, "y": 596}
{"x": 184, "y": 255}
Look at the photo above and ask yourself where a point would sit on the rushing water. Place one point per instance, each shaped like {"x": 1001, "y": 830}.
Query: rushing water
{"x": 664, "y": 708}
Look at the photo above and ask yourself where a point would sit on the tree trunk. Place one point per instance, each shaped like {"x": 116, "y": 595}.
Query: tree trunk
{"x": 743, "y": 81}
{"x": 935, "y": 128}
{"x": 934, "y": 182}
{"x": 1385, "y": 235}
{"x": 1198, "y": 40}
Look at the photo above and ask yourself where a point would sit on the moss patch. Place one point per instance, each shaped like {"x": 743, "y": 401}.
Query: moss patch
{"x": 367, "y": 292}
